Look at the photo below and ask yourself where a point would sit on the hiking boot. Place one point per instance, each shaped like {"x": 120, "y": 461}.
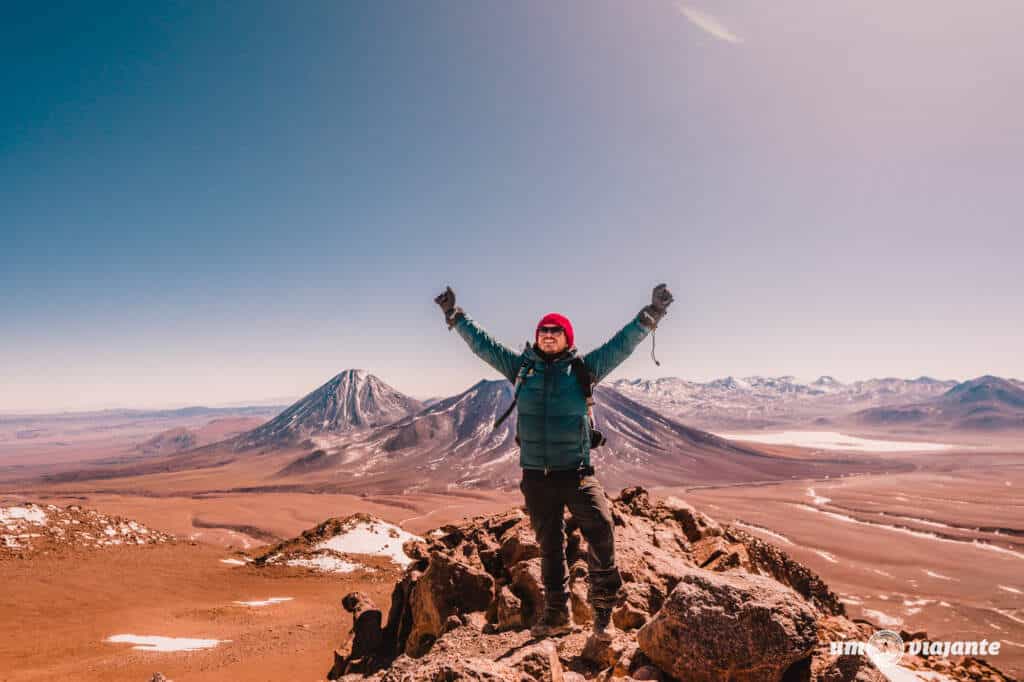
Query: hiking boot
{"x": 554, "y": 621}
{"x": 603, "y": 627}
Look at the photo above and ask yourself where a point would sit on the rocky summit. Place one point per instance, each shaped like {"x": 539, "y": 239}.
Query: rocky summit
{"x": 702, "y": 601}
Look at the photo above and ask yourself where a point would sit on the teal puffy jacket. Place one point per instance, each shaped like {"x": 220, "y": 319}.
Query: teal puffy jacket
{"x": 554, "y": 431}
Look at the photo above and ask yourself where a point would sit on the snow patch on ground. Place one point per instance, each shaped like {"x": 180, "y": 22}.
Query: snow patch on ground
{"x": 326, "y": 563}
{"x": 1007, "y": 588}
{"x": 265, "y": 602}
{"x": 987, "y": 546}
{"x": 817, "y": 499}
{"x": 883, "y": 619}
{"x": 761, "y": 529}
{"x": 158, "y": 643}
{"x": 372, "y": 537}
{"x": 233, "y": 562}
{"x": 30, "y": 514}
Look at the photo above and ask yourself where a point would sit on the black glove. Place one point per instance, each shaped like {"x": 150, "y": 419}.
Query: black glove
{"x": 447, "y": 302}
{"x": 661, "y": 298}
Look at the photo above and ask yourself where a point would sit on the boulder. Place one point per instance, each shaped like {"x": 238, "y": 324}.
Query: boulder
{"x": 641, "y": 600}
{"x": 519, "y": 544}
{"x": 528, "y": 585}
{"x": 732, "y": 626}
{"x": 509, "y": 610}
{"x": 366, "y": 624}
{"x": 539, "y": 661}
{"x": 447, "y": 587}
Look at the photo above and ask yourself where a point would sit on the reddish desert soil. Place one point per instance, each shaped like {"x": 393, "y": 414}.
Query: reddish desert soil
{"x": 903, "y": 545}
{"x": 54, "y": 620}
{"x": 897, "y": 546}
{"x": 65, "y": 605}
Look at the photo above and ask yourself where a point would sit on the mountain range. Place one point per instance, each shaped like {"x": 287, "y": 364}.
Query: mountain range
{"x": 357, "y": 433}
{"x": 453, "y": 441}
{"x": 987, "y": 403}
{"x": 758, "y": 402}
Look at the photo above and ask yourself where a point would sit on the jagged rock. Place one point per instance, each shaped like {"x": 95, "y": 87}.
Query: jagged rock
{"x": 366, "y": 622}
{"x": 447, "y": 587}
{"x": 361, "y": 652}
{"x": 606, "y": 653}
{"x": 539, "y": 661}
{"x": 509, "y": 610}
{"x": 627, "y": 660}
{"x": 460, "y": 610}
{"x": 582, "y": 611}
{"x": 852, "y": 668}
{"x": 734, "y": 557}
{"x": 160, "y": 677}
{"x": 641, "y": 600}
{"x": 498, "y": 523}
{"x": 528, "y": 585}
{"x": 694, "y": 524}
{"x": 399, "y": 624}
{"x": 648, "y": 672}
{"x": 706, "y": 549}
{"x": 490, "y": 552}
{"x": 519, "y": 544}
{"x": 768, "y": 559}
{"x": 416, "y": 549}
{"x": 732, "y": 626}
{"x": 670, "y": 539}
{"x": 476, "y": 669}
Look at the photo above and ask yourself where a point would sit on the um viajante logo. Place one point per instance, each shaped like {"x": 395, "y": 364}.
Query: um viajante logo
{"x": 886, "y": 647}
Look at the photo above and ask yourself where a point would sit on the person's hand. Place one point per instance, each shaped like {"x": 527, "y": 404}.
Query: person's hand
{"x": 447, "y": 301}
{"x": 651, "y": 314}
{"x": 661, "y": 297}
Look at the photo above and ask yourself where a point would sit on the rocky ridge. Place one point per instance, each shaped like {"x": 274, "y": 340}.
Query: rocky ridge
{"x": 30, "y": 529}
{"x": 701, "y": 601}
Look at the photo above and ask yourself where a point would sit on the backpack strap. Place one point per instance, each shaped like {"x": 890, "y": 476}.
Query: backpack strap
{"x": 520, "y": 375}
{"x": 584, "y": 378}
{"x": 586, "y": 381}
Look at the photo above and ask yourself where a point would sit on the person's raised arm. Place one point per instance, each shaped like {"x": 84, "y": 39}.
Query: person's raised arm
{"x": 485, "y": 346}
{"x": 602, "y": 360}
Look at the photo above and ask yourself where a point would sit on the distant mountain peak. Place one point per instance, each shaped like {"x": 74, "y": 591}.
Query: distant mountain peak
{"x": 350, "y": 400}
{"x": 987, "y": 388}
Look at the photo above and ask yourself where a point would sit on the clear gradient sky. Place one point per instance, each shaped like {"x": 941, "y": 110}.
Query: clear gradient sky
{"x": 211, "y": 203}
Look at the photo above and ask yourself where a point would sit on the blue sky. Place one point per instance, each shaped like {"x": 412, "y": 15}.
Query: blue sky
{"x": 210, "y": 203}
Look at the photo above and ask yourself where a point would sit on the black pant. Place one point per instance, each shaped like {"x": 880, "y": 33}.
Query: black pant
{"x": 546, "y": 498}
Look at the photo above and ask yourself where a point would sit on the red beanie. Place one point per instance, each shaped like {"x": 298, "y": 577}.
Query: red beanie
{"x": 562, "y": 321}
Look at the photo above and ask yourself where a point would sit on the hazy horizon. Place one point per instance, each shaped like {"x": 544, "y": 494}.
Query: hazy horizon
{"x": 202, "y": 203}
{"x": 280, "y": 401}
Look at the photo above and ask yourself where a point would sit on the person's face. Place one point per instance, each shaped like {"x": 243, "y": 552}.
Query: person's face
{"x": 551, "y": 339}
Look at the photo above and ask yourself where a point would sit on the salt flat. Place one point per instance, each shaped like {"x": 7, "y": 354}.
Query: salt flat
{"x": 833, "y": 440}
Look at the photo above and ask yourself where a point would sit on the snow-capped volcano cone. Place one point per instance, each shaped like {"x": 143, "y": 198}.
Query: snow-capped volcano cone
{"x": 354, "y": 399}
